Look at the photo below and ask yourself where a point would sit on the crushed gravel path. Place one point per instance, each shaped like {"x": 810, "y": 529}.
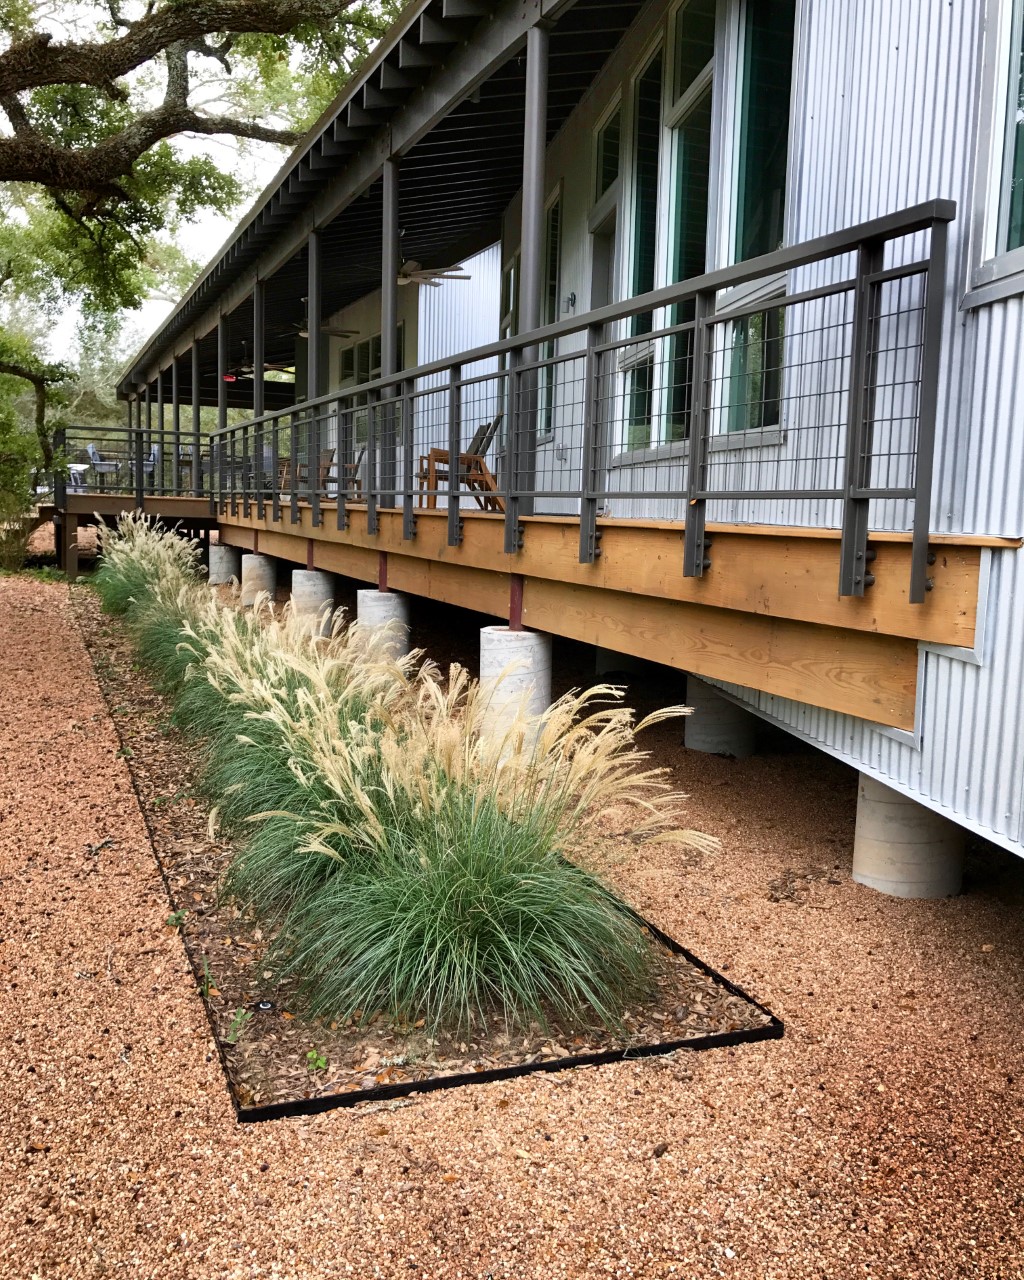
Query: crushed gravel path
{"x": 882, "y": 1137}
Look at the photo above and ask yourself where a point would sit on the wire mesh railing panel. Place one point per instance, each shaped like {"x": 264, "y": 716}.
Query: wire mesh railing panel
{"x": 795, "y": 390}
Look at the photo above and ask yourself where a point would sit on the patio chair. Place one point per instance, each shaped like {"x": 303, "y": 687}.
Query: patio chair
{"x": 324, "y": 467}
{"x": 473, "y": 471}
{"x": 102, "y": 467}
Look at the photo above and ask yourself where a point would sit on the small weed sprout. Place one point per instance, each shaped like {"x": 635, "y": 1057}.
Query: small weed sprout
{"x": 207, "y": 985}
{"x": 240, "y": 1019}
{"x": 315, "y": 1061}
{"x": 177, "y": 918}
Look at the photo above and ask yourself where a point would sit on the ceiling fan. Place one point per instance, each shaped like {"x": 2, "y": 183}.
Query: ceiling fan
{"x": 246, "y": 370}
{"x": 415, "y": 273}
{"x": 301, "y": 327}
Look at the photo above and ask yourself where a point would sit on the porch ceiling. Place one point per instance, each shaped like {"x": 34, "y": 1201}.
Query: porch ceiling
{"x": 456, "y": 179}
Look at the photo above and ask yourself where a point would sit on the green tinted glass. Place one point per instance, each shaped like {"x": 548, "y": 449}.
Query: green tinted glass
{"x": 764, "y": 126}
{"x": 695, "y": 42}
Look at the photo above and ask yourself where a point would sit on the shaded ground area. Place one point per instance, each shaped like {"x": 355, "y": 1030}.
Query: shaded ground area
{"x": 882, "y": 1137}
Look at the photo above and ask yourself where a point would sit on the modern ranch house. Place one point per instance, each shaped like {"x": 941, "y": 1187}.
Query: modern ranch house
{"x": 734, "y": 384}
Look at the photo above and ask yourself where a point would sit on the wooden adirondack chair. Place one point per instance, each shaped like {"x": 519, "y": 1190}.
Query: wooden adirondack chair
{"x": 473, "y": 471}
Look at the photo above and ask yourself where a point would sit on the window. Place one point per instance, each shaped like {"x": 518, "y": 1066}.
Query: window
{"x": 766, "y": 82}
{"x": 694, "y": 43}
{"x": 360, "y": 362}
{"x": 754, "y": 382}
{"x": 646, "y": 157}
{"x": 608, "y": 137}
{"x": 509, "y": 324}
{"x": 647, "y": 151}
{"x": 1011, "y": 229}
{"x": 552, "y": 272}
{"x": 691, "y": 151}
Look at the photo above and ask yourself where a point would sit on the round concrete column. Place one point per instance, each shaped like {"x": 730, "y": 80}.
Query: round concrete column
{"x": 313, "y": 593}
{"x": 523, "y": 658}
{"x": 375, "y": 609}
{"x": 903, "y": 848}
{"x": 717, "y": 726}
{"x": 259, "y": 573}
{"x": 225, "y": 565}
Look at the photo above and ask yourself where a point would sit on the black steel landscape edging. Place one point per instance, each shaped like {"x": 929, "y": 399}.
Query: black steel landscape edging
{"x": 773, "y": 1029}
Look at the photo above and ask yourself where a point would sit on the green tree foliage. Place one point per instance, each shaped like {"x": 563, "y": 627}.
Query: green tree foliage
{"x": 108, "y": 107}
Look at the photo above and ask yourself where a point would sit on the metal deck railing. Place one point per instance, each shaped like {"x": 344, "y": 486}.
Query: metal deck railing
{"x": 797, "y": 389}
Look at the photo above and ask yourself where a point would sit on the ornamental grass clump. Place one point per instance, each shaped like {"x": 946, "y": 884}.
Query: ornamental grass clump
{"x": 407, "y": 859}
{"x": 459, "y": 868}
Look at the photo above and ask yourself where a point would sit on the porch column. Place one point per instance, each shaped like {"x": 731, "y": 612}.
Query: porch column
{"x": 259, "y": 359}
{"x": 531, "y": 288}
{"x": 222, "y": 369}
{"x": 157, "y": 450}
{"x": 389, "y": 259}
{"x": 175, "y": 427}
{"x": 197, "y": 463}
{"x": 314, "y": 314}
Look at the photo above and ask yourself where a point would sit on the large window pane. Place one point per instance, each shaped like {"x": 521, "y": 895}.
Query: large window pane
{"x": 695, "y": 42}
{"x": 608, "y": 153}
{"x": 692, "y": 161}
{"x": 1014, "y": 178}
{"x": 764, "y": 126}
{"x": 645, "y": 177}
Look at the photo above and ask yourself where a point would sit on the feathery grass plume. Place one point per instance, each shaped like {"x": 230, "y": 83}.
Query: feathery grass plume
{"x": 136, "y": 556}
{"x": 448, "y": 889}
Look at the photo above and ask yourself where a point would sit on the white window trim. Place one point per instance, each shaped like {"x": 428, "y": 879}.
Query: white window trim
{"x": 994, "y": 274}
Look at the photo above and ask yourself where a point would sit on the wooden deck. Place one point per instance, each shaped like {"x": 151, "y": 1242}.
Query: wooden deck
{"x": 767, "y": 614}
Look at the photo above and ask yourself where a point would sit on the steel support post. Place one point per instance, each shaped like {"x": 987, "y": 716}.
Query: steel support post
{"x": 531, "y": 290}
{"x": 259, "y": 359}
{"x": 158, "y": 448}
{"x": 590, "y": 469}
{"x": 695, "y": 540}
{"x": 454, "y": 454}
{"x": 853, "y": 554}
{"x": 175, "y": 427}
{"x": 197, "y": 438}
{"x": 390, "y": 266}
{"x": 934, "y": 304}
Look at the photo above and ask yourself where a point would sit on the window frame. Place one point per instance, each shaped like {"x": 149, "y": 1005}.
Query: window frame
{"x": 995, "y": 273}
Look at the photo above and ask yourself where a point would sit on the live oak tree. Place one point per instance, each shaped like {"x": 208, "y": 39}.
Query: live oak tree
{"x": 108, "y": 109}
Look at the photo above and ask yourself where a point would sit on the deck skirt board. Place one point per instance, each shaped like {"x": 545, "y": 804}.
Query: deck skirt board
{"x": 874, "y": 677}
{"x": 752, "y": 572}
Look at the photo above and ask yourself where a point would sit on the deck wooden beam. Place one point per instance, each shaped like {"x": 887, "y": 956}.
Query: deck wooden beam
{"x": 765, "y": 573}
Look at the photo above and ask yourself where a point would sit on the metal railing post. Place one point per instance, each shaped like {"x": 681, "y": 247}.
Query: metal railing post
{"x": 293, "y": 474}
{"x": 589, "y": 463}
{"x": 695, "y": 538}
{"x": 346, "y": 463}
{"x": 60, "y": 475}
{"x": 934, "y": 303}
{"x": 313, "y": 469}
{"x": 513, "y": 539}
{"x": 275, "y": 470}
{"x": 454, "y": 454}
{"x": 853, "y": 553}
{"x": 233, "y": 472}
{"x": 140, "y": 476}
{"x": 408, "y": 469}
{"x": 372, "y": 523}
{"x": 258, "y": 476}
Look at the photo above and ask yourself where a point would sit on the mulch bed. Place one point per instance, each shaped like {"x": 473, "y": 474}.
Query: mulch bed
{"x": 277, "y": 1062}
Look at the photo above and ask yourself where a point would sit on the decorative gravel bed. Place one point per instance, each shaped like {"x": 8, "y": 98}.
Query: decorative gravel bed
{"x": 882, "y": 1138}
{"x": 279, "y": 1063}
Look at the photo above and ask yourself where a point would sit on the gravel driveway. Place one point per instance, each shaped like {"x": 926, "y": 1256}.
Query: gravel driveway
{"x": 882, "y": 1137}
